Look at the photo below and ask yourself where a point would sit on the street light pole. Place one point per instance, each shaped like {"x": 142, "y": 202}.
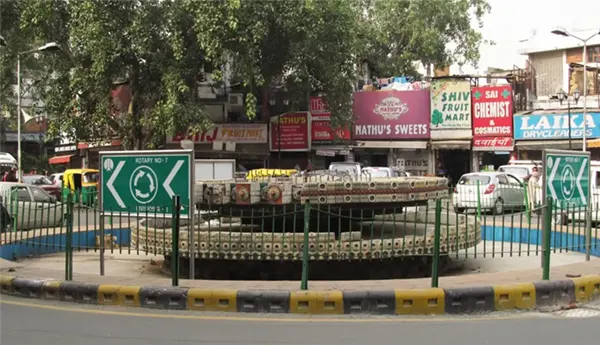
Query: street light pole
{"x": 46, "y": 47}
{"x": 563, "y": 32}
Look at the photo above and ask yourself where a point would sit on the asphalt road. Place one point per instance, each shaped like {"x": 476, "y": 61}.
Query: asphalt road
{"x": 40, "y": 322}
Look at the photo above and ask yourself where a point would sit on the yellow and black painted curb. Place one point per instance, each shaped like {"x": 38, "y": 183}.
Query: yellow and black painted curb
{"x": 434, "y": 301}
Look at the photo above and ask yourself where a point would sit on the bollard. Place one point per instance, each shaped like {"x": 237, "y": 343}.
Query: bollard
{"x": 547, "y": 231}
{"x": 305, "y": 258}
{"x": 175, "y": 213}
{"x": 436, "y": 244}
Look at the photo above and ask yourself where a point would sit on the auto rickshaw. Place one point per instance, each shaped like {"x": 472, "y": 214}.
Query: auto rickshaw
{"x": 83, "y": 184}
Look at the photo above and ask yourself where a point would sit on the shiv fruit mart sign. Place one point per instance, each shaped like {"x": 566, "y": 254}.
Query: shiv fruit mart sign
{"x": 450, "y": 104}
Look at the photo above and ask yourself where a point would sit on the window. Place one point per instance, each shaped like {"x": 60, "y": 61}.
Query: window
{"x": 502, "y": 179}
{"x": 593, "y": 54}
{"x": 22, "y": 193}
{"x": 597, "y": 178}
{"x": 474, "y": 179}
{"x": 520, "y": 172}
{"x": 39, "y": 195}
{"x": 514, "y": 181}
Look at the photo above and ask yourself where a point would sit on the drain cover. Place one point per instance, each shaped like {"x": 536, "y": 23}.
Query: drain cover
{"x": 577, "y": 313}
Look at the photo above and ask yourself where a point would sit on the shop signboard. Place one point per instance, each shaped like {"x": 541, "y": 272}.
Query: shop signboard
{"x": 385, "y": 115}
{"x": 414, "y": 162}
{"x": 492, "y": 111}
{"x": 295, "y": 132}
{"x": 450, "y": 104}
{"x": 320, "y": 124}
{"x": 555, "y": 126}
{"x": 240, "y": 133}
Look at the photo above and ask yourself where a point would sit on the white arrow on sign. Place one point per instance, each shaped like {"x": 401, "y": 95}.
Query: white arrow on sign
{"x": 169, "y": 179}
{"x": 110, "y": 186}
{"x": 578, "y": 181}
{"x": 551, "y": 178}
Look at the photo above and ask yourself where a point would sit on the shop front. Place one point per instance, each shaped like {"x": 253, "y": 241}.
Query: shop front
{"x": 244, "y": 142}
{"x": 327, "y": 145}
{"x": 290, "y": 140}
{"x": 451, "y": 132}
{"x": 391, "y": 128}
{"x": 492, "y": 126}
{"x": 553, "y": 129}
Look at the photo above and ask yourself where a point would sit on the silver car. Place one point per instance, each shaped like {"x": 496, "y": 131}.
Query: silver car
{"x": 31, "y": 207}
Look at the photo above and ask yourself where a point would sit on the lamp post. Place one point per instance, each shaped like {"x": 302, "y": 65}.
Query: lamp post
{"x": 562, "y": 95}
{"x": 52, "y": 46}
{"x": 563, "y": 32}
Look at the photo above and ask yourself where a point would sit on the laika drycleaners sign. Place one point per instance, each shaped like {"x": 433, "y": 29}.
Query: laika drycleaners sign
{"x": 450, "y": 104}
{"x": 555, "y": 126}
{"x": 388, "y": 115}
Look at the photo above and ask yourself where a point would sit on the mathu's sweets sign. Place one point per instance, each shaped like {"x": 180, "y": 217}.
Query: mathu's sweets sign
{"x": 450, "y": 104}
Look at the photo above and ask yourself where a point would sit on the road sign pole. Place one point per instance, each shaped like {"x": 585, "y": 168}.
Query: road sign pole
{"x": 192, "y": 207}
{"x": 102, "y": 225}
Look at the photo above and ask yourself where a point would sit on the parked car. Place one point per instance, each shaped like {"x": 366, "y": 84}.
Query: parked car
{"x": 56, "y": 178}
{"x": 378, "y": 172}
{"x": 492, "y": 191}
{"x": 30, "y": 206}
{"x": 44, "y": 183}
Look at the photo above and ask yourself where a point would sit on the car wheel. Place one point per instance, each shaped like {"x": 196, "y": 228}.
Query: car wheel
{"x": 498, "y": 207}
{"x": 459, "y": 209}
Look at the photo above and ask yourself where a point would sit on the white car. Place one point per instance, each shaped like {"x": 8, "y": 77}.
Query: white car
{"x": 493, "y": 191}
{"x": 31, "y": 207}
{"x": 56, "y": 179}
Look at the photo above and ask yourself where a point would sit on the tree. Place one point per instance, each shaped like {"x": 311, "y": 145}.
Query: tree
{"x": 396, "y": 34}
{"x": 144, "y": 45}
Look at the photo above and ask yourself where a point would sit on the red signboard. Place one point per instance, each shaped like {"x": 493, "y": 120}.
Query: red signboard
{"x": 321, "y": 132}
{"x": 385, "y": 115}
{"x": 295, "y": 132}
{"x": 493, "y": 143}
{"x": 492, "y": 111}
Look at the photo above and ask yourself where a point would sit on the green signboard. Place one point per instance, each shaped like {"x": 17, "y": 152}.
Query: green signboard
{"x": 144, "y": 182}
{"x": 567, "y": 176}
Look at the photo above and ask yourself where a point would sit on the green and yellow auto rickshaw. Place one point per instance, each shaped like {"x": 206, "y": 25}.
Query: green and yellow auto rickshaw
{"x": 83, "y": 184}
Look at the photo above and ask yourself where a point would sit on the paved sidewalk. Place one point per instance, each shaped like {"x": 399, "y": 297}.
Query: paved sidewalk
{"x": 557, "y": 273}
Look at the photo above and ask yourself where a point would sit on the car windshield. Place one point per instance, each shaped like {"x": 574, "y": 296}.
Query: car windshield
{"x": 376, "y": 172}
{"x": 474, "y": 179}
{"x": 344, "y": 168}
{"x": 90, "y": 177}
{"x": 520, "y": 172}
{"x": 38, "y": 180}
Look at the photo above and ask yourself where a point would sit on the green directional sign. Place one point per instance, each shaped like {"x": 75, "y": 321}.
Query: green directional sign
{"x": 567, "y": 176}
{"x": 144, "y": 182}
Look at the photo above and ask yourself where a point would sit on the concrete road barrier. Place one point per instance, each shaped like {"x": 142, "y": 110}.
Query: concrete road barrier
{"x": 435, "y": 301}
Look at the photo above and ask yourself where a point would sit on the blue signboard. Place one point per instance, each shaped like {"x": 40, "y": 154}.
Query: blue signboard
{"x": 555, "y": 126}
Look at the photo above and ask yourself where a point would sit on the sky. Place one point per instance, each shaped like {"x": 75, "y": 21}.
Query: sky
{"x": 513, "y": 20}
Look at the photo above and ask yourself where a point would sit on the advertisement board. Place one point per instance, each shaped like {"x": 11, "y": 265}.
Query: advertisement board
{"x": 291, "y": 131}
{"x": 240, "y": 133}
{"x": 321, "y": 131}
{"x": 450, "y": 104}
{"x": 385, "y": 115}
{"x": 492, "y": 111}
{"x": 555, "y": 126}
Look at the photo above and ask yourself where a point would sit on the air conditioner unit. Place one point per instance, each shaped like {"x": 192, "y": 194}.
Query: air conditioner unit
{"x": 236, "y": 100}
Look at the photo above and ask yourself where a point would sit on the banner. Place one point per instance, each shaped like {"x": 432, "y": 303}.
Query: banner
{"x": 294, "y": 129}
{"x": 493, "y": 144}
{"x": 492, "y": 111}
{"x": 385, "y": 115}
{"x": 450, "y": 104}
{"x": 320, "y": 128}
{"x": 240, "y": 133}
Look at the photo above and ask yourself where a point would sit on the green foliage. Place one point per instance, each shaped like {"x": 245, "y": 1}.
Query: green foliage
{"x": 160, "y": 47}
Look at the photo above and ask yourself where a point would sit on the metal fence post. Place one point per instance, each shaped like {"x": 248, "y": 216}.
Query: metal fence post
{"x": 547, "y": 231}
{"x": 478, "y": 200}
{"x": 175, "y": 214}
{"x": 305, "y": 258}
{"x": 69, "y": 239}
{"x": 436, "y": 244}
{"x": 588, "y": 233}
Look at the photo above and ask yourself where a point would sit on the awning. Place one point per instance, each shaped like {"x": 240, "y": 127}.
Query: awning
{"x": 537, "y": 145}
{"x": 412, "y": 145}
{"x": 60, "y": 159}
{"x": 593, "y": 144}
{"x": 451, "y": 145}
